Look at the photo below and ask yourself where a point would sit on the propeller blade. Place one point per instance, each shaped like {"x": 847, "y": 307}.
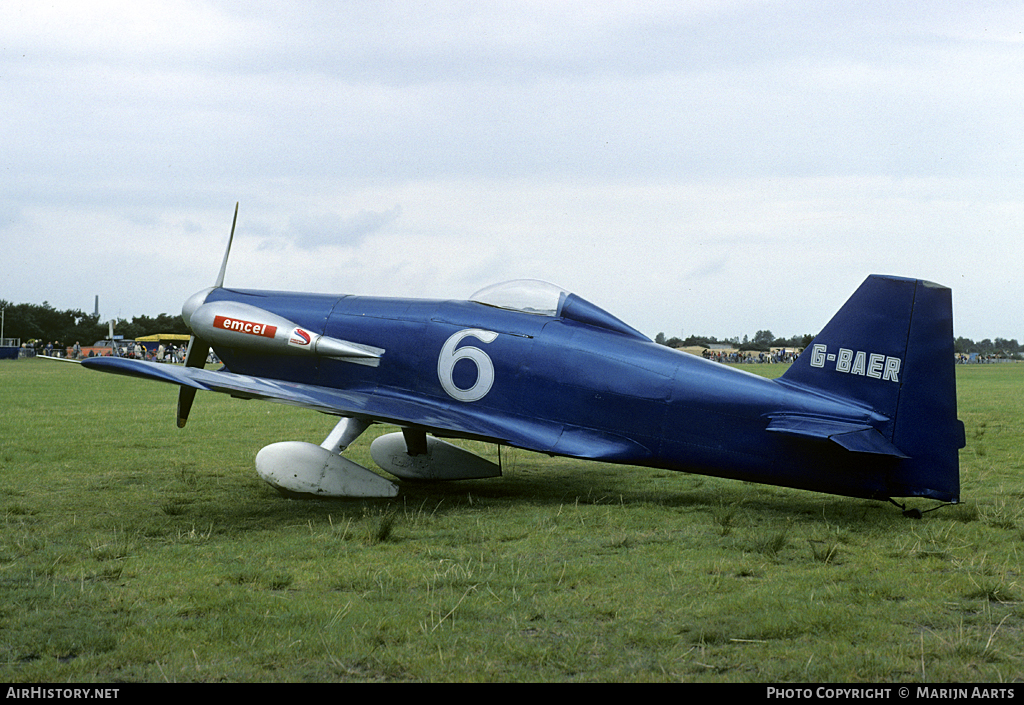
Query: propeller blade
{"x": 224, "y": 264}
{"x": 186, "y": 395}
{"x": 198, "y": 349}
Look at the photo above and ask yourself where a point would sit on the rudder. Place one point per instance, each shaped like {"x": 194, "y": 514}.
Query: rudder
{"x": 890, "y": 349}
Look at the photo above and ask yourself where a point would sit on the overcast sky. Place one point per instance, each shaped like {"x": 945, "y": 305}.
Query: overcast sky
{"x": 708, "y": 167}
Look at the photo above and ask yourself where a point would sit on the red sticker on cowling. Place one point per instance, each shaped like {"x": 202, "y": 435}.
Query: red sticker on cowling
{"x": 239, "y": 325}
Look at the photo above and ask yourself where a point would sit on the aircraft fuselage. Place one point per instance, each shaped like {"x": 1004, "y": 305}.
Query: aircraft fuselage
{"x": 562, "y": 387}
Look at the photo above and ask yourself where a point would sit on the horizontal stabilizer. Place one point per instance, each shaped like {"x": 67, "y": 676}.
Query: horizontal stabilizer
{"x": 854, "y": 437}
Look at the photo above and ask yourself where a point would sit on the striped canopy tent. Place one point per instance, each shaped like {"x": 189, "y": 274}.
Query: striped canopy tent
{"x": 160, "y": 337}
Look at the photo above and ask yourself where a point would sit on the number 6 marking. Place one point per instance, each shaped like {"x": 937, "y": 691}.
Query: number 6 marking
{"x": 484, "y": 367}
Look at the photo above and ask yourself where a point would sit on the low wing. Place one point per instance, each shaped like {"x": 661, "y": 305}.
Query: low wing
{"x": 442, "y": 418}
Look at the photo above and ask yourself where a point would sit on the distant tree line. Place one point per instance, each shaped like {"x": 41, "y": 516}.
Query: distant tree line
{"x": 1000, "y": 347}
{"x": 764, "y": 340}
{"x": 44, "y": 323}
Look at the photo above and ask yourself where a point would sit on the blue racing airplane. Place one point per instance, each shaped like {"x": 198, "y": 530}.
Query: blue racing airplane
{"x": 868, "y": 410}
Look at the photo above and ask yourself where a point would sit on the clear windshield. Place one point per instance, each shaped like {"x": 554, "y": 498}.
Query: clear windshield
{"x": 526, "y": 295}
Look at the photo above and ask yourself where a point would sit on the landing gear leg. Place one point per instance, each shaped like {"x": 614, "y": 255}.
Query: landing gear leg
{"x": 344, "y": 433}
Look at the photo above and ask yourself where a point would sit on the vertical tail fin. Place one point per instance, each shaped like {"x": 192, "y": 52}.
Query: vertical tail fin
{"x": 890, "y": 349}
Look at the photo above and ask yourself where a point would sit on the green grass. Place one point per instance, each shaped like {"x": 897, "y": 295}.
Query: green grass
{"x": 134, "y": 551}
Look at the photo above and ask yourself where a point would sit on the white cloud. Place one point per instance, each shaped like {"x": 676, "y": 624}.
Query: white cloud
{"x": 711, "y": 167}
{"x": 312, "y": 231}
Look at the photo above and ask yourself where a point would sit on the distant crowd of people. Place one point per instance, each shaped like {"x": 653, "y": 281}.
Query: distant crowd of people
{"x": 979, "y": 359}
{"x": 134, "y": 350}
{"x": 751, "y": 357}
{"x": 176, "y": 354}
{"x": 138, "y": 351}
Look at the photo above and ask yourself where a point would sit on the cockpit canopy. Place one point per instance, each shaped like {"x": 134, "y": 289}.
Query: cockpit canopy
{"x": 527, "y": 295}
{"x": 540, "y": 298}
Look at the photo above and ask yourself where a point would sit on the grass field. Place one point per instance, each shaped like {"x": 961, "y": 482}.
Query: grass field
{"x": 134, "y": 551}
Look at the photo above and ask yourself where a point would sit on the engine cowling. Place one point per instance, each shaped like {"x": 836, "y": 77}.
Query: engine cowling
{"x": 238, "y": 325}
